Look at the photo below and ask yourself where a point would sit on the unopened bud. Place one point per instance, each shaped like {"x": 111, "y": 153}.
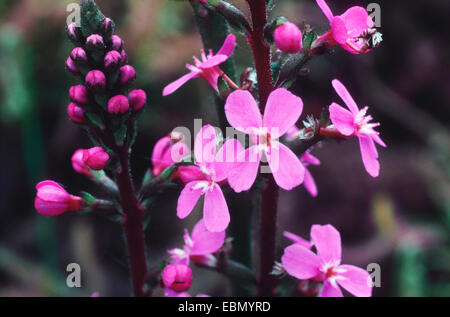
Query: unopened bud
{"x": 108, "y": 27}
{"x": 78, "y": 55}
{"x": 116, "y": 43}
{"x": 79, "y": 94}
{"x": 177, "y": 277}
{"x": 76, "y": 113}
{"x": 127, "y": 75}
{"x": 95, "y": 79}
{"x": 288, "y": 38}
{"x": 118, "y": 104}
{"x": 112, "y": 60}
{"x": 70, "y": 65}
{"x": 137, "y": 99}
{"x": 95, "y": 158}
{"x": 94, "y": 42}
{"x": 74, "y": 33}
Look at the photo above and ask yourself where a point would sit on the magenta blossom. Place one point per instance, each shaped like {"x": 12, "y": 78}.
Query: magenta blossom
{"x": 325, "y": 266}
{"x": 356, "y": 123}
{"x": 215, "y": 166}
{"x": 207, "y": 68}
{"x": 310, "y": 184}
{"x": 53, "y": 200}
{"x": 348, "y": 30}
{"x": 283, "y": 109}
{"x": 199, "y": 246}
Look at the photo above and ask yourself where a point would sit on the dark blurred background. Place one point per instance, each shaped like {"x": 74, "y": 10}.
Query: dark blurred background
{"x": 400, "y": 220}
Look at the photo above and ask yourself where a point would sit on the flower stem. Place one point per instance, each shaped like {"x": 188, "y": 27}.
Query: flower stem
{"x": 267, "y": 232}
{"x": 132, "y": 224}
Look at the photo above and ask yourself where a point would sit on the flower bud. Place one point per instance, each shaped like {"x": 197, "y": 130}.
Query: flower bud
{"x": 112, "y": 60}
{"x": 177, "y": 277}
{"x": 79, "y": 55}
{"x": 75, "y": 113}
{"x": 137, "y": 99}
{"x": 124, "y": 56}
{"x": 94, "y": 42}
{"x": 79, "y": 94}
{"x": 118, "y": 104}
{"x": 95, "y": 158}
{"x": 127, "y": 75}
{"x": 79, "y": 165}
{"x": 95, "y": 79}
{"x": 71, "y": 66}
{"x": 288, "y": 38}
{"x": 116, "y": 43}
{"x": 107, "y": 27}
{"x": 52, "y": 200}
{"x": 74, "y": 32}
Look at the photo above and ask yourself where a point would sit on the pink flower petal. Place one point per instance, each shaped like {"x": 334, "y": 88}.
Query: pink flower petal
{"x": 356, "y": 281}
{"x": 298, "y": 240}
{"x": 342, "y": 119}
{"x": 357, "y": 20}
{"x": 339, "y": 30}
{"x": 369, "y": 155}
{"x": 286, "y": 168}
{"x": 308, "y": 158}
{"x": 244, "y": 172}
{"x": 378, "y": 140}
{"x": 213, "y": 61}
{"x": 188, "y": 199}
{"x": 325, "y": 9}
{"x": 327, "y": 241}
{"x": 300, "y": 262}
{"x": 328, "y": 290}
{"x": 228, "y": 45}
{"x": 282, "y": 111}
{"x": 170, "y": 88}
{"x": 206, "y": 242}
{"x": 215, "y": 210}
{"x": 310, "y": 184}
{"x": 242, "y": 111}
{"x": 205, "y": 144}
{"x": 345, "y": 95}
{"x": 226, "y": 158}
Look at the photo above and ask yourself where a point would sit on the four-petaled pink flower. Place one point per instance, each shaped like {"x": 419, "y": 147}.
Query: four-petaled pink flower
{"x": 207, "y": 68}
{"x": 310, "y": 184}
{"x": 198, "y": 247}
{"x": 325, "y": 266}
{"x": 356, "y": 123}
{"x": 215, "y": 167}
{"x": 282, "y": 110}
{"x": 348, "y": 29}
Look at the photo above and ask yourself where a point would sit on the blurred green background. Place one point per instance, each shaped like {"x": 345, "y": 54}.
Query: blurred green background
{"x": 400, "y": 220}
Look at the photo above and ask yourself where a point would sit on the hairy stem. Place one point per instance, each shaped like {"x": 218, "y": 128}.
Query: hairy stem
{"x": 132, "y": 225}
{"x": 267, "y": 232}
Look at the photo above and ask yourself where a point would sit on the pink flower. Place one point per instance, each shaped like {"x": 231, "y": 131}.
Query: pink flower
{"x": 79, "y": 165}
{"x": 325, "y": 266}
{"x": 297, "y": 240}
{"x": 215, "y": 167}
{"x": 168, "y": 151}
{"x": 95, "y": 158}
{"x": 177, "y": 277}
{"x": 76, "y": 114}
{"x": 310, "y": 184}
{"x": 118, "y": 104}
{"x": 348, "y": 29}
{"x": 283, "y": 109}
{"x": 199, "y": 247}
{"x": 288, "y": 38}
{"x": 356, "y": 123}
{"x": 207, "y": 68}
{"x": 53, "y": 200}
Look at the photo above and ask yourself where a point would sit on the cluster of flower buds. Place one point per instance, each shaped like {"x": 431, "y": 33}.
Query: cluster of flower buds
{"x": 100, "y": 61}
